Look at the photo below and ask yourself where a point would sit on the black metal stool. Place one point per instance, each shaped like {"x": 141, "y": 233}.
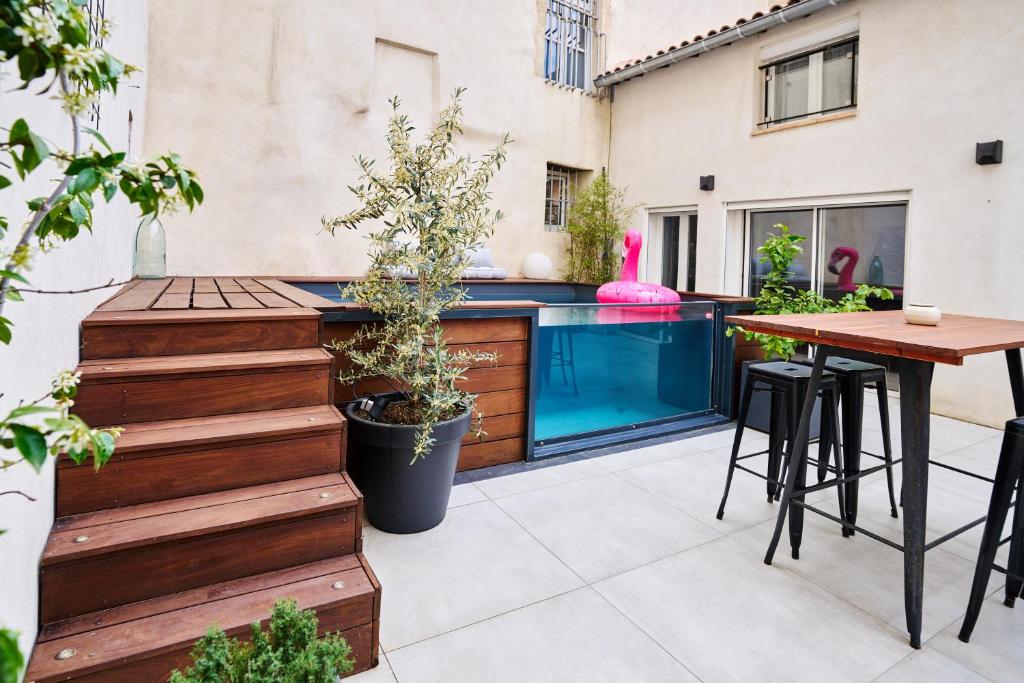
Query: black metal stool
{"x": 788, "y": 385}
{"x": 854, "y": 378}
{"x": 1009, "y": 478}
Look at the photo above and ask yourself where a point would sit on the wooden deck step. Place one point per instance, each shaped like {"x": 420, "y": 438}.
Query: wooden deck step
{"x": 144, "y": 641}
{"x": 98, "y": 560}
{"x": 173, "y": 458}
{"x": 122, "y": 334}
{"x": 124, "y": 390}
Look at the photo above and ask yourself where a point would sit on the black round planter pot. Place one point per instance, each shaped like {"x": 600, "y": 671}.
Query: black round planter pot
{"x": 404, "y": 498}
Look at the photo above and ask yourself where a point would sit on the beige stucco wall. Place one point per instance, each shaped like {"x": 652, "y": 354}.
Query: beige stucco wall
{"x": 271, "y": 103}
{"x": 46, "y": 327}
{"x": 934, "y": 79}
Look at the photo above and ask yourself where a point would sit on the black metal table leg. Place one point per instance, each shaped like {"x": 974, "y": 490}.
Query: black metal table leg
{"x": 1015, "y": 561}
{"x": 776, "y": 437}
{"x": 915, "y": 409}
{"x": 799, "y": 450}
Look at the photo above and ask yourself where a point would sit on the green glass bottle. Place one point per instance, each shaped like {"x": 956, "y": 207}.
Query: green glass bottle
{"x": 876, "y": 272}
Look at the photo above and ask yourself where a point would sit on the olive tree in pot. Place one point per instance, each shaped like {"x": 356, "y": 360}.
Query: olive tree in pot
{"x": 431, "y": 208}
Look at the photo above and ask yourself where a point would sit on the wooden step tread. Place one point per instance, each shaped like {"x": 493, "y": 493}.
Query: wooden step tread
{"x": 144, "y": 368}
{"x": 119, "y": 529}
{"x": 143, "y": 640}
{"x": 142, "y": 437}
{"x": 98, "y": 318}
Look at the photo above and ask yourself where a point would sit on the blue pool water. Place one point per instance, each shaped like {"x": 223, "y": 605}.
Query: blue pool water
{"x": 596, "y": 370}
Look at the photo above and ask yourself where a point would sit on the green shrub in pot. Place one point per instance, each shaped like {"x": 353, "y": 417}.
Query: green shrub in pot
{"x": 429, "y": 209}
{"x": 779, "y": 297}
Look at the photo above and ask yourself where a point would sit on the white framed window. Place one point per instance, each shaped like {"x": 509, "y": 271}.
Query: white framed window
{"x": 672, "y": 249}
{"x": 569, "y": 30}
{"x": 559, "y": 190}
{"x": 819, "y": 81}
{"x": 846, "y": 245}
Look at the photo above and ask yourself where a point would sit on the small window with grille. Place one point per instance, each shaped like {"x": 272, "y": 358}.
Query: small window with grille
{"x": 811, "y": 83}
{"x": 569, "y": 32}
{"x": 560, "y": 188}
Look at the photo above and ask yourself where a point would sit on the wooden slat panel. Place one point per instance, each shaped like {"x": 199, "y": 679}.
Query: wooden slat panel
{"x": 241, "y": 300}
{"x": 138, "y": 298}
{"x": 499, "y": 427}
{"x": 226, "y": 284}
{"x": 477, "y": 381}
{"x": 142, "y": 369}
{"x": 502, "y": 402}
{"x": 298, "y": 296}
{"x": 202, "y": 337}
{"x": 490, "y": 453}
{"x": 509, "y": 353}
{"x": 250, "y": 285}
{"x": 271, "y": 300}
{"x": 135, "y": 480}
{"x": 204, "y": 300}
{"x": 205, "y": 285}
{"x": 173, "y": 301}
{"x": 180, "y": 285}
{"x": 456, "y": 330}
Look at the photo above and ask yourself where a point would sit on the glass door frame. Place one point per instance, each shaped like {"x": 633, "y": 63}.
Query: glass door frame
{"x": 654, "y": 241}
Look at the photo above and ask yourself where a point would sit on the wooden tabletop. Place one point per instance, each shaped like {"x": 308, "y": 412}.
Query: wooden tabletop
{"x": 886, "y": 333}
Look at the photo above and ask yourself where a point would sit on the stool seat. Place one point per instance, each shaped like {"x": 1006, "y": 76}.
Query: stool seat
{"x": 784, "y": 370}
{"x": 845, "y": 366}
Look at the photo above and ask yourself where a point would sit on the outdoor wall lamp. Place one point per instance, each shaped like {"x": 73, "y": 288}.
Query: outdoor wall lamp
{"x": 707, "y": 182}
{"x": 985, "y": 153}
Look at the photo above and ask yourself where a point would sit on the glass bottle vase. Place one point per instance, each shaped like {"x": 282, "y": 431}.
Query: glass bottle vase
{"x": 150, "y": 260}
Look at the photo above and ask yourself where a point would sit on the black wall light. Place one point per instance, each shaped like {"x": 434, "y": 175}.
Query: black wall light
{"x": 707, "y": 182}
{"x": 986, "y": 153}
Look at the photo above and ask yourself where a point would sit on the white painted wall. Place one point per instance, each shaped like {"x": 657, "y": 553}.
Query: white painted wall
{"x": 934, "y": 79}
{"x": 271, "y": 104}
{"x": 46, "y": 327}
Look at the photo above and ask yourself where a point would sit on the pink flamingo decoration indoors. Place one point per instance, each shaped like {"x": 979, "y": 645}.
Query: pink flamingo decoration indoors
{"x": 627, "y": 290}
{"x": 846, "y": 274}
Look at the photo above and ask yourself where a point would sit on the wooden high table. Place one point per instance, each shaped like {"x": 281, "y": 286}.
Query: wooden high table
{"x": 918, "y": 348}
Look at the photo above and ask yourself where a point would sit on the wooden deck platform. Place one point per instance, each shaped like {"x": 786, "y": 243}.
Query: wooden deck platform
{"x": 212, "y": 293}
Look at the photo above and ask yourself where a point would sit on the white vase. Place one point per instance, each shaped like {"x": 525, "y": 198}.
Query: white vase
{"x": 922, "y": 314}
{"x": 150, "y": 260}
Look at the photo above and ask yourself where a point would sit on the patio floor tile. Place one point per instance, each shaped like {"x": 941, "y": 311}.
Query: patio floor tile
{"x": 869, "y": 574}
{"x": 995, "y": 649}
{"x": 573, "y": 637}
{"x": 465, "y": 494}
{"x": 540, "y": 477}
{"x": 478, "y": 563}
{"x": 379, "y": 674}
{"x": 727, "y": 617}
{"x": 625, "y": 460}
{"x": 928, "y": 665}
{"x": 603, "y": 526}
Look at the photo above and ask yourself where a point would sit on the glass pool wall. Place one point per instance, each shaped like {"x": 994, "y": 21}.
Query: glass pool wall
{"x": 605, "y": 367}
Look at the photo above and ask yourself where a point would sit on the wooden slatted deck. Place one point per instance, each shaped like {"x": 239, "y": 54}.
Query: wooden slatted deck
{"x": 211, "y": 293}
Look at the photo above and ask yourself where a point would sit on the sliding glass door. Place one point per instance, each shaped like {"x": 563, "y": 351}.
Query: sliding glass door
{"x": 672, "y": 250}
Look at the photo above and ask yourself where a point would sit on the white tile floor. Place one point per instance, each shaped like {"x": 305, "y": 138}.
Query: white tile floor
{"x": 615, "y": 569}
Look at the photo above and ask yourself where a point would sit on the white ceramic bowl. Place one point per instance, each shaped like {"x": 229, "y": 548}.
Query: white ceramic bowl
{"x": 922, "y": 314}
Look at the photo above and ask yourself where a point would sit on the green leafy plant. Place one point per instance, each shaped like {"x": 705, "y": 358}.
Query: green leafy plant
{"x": 597, "y": 221}
{"x": 434, "y": 208}
{"x": 778, "y": 296}
{"x": 289, "y": 652}
{"x": 51, "y": 43}
{"x": 11, "y": 659}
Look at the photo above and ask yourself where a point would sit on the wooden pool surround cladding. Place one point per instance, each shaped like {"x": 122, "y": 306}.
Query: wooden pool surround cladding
{"x": 501, "y": 385}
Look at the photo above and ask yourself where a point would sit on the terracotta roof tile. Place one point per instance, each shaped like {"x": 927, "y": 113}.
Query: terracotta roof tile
{"x": 699, "y": 37}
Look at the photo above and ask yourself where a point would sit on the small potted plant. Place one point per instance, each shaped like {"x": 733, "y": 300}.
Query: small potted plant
{"x": 778, "y": 297}
{"x": 432, "y": 207}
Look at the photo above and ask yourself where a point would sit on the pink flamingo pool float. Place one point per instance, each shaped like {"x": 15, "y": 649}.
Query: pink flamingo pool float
{"x": 627, "y": 290}
{"x": 846, "y": 274}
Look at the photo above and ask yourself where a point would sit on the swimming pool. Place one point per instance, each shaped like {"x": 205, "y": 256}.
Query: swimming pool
{"x": 573, "y": 374}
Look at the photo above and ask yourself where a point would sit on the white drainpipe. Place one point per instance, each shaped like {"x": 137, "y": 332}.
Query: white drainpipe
{"x": 746, "y": 30}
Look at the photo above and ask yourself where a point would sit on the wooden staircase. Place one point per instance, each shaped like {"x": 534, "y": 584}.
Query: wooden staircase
{"x": 227, "y": 490}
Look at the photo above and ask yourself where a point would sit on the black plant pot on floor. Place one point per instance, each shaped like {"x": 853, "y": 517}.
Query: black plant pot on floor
{"x": 404, "y": 498}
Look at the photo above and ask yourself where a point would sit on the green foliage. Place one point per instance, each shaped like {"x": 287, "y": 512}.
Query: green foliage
{"x": 596, "y": 223}
{"x": 289, "y": 653}
{"x": 11, "y": 659}
{"x": 432, "y": 206}
{"x": 778, "y": 297}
